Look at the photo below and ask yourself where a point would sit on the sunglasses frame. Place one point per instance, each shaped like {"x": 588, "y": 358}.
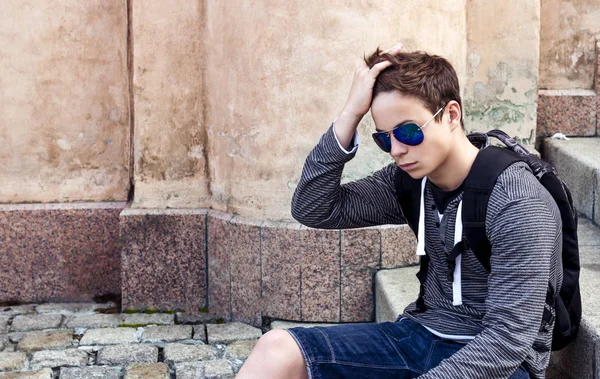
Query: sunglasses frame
{"x": 390, "y": 133}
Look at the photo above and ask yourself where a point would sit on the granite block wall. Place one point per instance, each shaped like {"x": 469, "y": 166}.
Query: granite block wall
{"x": 320, "y": 274}
{"x": 360, "y": 255}
{"x": 187, "y": 259}
{"x": 219, "y": 275}
{"x": 281, "y": 266}
{"x": 163, "y": 259}
{"x": 571, "y": 112}
{"x": 59, "y": 252}
{"x": 287, "y": 271}
{"x": 245, "y": 268}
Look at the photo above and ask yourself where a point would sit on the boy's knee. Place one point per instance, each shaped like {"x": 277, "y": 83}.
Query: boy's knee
{"x": 277, "y": 341}
{"x": 275, "y": 355}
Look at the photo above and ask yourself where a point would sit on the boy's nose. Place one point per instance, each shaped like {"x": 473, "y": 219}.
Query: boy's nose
{"x": 398, "y": 148}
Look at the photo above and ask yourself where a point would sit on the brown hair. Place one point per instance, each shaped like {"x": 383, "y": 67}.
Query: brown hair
{"x": 429, "y": 78}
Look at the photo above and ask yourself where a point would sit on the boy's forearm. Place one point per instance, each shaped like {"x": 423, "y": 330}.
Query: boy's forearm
{"x": 345, "y": 128}
{"x": 315, "y": 196}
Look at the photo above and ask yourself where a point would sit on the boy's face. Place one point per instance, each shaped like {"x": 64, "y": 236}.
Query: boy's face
{"x": 390, "y": 109}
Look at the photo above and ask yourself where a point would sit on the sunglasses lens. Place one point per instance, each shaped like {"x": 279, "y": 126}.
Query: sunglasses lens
{"x": 383, "y": 141}
{"x": 409, "y": 134}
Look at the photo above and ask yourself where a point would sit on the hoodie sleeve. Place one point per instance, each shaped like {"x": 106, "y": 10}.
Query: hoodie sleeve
{"x": 321, "y": 201}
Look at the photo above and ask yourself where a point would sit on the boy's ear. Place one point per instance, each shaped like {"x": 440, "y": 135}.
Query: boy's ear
{"x": 454, "y": 114}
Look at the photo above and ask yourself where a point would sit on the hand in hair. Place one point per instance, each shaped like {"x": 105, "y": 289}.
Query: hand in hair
{"x": 359, "y": 99}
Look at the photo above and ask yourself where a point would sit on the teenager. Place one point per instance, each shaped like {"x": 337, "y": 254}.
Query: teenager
{"x": 476, "y": 323}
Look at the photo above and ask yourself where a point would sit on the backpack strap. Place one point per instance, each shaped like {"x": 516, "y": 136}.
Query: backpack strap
{"x": 489, "y": 164}
{"x": 509, "y": 142}
{"x": 408, "y": 192}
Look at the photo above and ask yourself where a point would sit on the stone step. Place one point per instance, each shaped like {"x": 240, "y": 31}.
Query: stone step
{"x": 397, "y": 288}
{"x": 394, "y": 290}
{"x": 577, "y": 161}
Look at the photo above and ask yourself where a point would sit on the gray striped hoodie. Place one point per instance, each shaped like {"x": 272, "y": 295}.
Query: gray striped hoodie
{"x": 501, "y": 312}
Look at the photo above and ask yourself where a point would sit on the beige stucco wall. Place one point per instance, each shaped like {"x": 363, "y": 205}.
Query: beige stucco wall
{"x": 170, "y": 149}
{"x": 279, "y": 72}
{"x": 64, "y": 120}
{"x": 569, "y": 30}
{"x": 502, "y": 66}
{"x": 228, "y": 97}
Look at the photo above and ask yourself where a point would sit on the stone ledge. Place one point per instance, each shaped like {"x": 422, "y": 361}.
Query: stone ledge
{"x": 581, "y": 359}
{"x": 578, "y": 164}
{"x": 395, "y": 290}
{"x": 328, "y": 273}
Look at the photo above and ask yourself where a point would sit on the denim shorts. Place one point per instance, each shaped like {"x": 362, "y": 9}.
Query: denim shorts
{"x": 402, "y": 349}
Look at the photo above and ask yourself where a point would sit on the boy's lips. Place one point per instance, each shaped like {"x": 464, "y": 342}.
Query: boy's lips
{"x": 408, "y": 166}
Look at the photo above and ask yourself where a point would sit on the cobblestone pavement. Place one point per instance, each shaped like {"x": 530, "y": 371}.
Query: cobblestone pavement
{"x": 76, "y": 341}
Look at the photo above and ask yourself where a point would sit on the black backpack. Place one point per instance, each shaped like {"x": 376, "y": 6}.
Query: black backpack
{"x": 478, "y": 185}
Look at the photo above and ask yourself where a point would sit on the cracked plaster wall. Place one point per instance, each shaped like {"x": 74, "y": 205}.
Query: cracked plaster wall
{"x": 279, "y": 72}
{"x": 170, "y": 142}
{"x": 230, "y": 97}
{"x": 569, "y": 30}
{"x": 502, "y": 66}
{"x": 64, "y": 117}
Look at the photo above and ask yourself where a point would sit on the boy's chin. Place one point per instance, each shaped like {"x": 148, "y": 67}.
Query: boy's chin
{"x": 415, "y": 174}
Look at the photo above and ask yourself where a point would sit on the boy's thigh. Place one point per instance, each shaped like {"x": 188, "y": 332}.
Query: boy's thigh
{"x": 403, "y": 349}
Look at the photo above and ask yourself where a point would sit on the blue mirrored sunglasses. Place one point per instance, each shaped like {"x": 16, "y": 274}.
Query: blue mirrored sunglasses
{"x": 409, "y": 134}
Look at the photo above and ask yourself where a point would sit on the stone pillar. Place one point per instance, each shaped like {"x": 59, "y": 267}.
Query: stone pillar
{"x": 597, "y": 85}
{"x": 503, "y": 44}
{"x": 64, "y": 138}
